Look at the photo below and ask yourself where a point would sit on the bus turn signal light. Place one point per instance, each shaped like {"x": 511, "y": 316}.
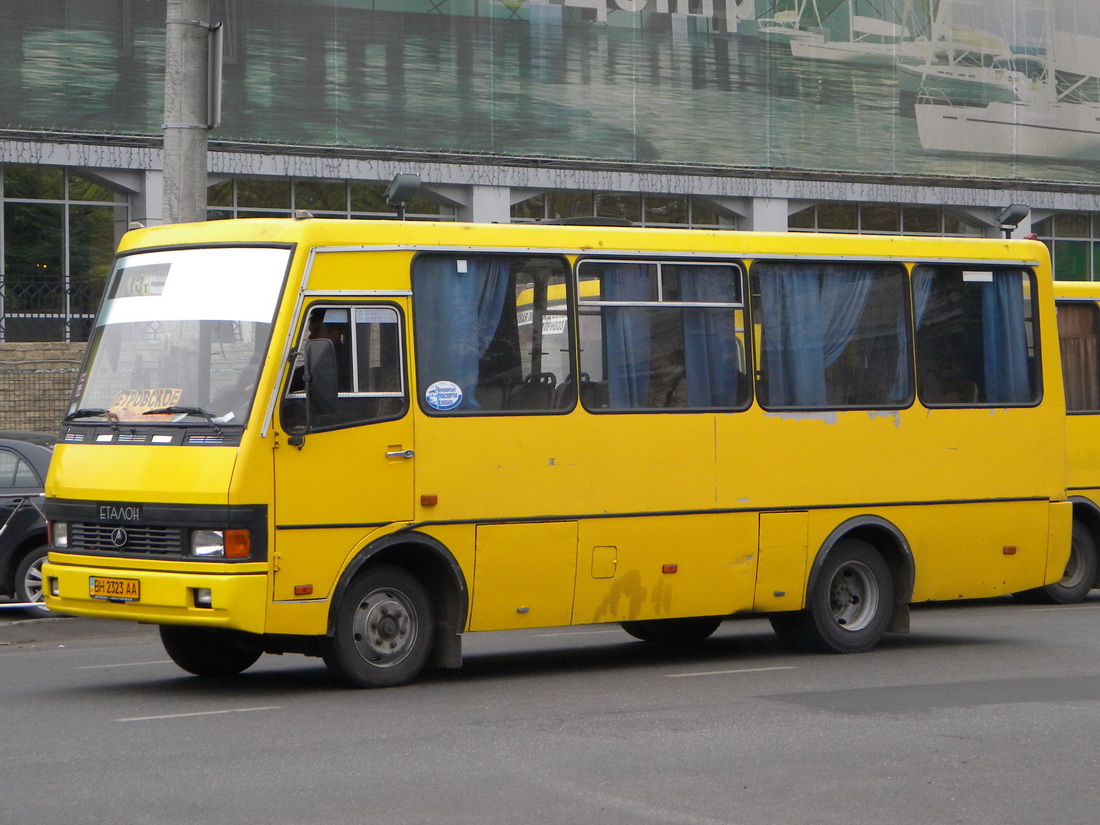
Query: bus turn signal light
{"x": 238, "y": 544}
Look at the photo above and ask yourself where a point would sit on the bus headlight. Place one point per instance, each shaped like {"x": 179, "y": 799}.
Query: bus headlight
{"x": 59, "y": 534}
{"x": 220, "y": 544}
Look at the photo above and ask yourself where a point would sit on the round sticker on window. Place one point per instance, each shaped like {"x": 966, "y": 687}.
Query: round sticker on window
{"x": 443, "y": 395}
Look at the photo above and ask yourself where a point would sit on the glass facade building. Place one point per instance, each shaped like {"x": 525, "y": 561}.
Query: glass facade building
{"x": 734, "y": 114}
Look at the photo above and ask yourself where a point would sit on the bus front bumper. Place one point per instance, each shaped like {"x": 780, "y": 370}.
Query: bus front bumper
{"x": 228, "y": 600}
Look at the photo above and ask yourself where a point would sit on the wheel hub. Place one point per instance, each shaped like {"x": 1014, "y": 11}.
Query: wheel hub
{"x": 853, "y": 596}
{"x": 1075, "y": 567}
{"x": 384, "y": 628}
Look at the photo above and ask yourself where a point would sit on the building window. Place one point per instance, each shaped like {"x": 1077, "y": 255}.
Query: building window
{"x": 641, "y": 209}
{"x": 884, "y": 219}
{"x": 1073, "y": 239}
{"x": 281, "y": 197}
{"x": 60, "y": 231}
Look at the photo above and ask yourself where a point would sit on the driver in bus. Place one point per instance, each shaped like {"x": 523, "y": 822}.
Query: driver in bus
{"x": 332, "y": 324}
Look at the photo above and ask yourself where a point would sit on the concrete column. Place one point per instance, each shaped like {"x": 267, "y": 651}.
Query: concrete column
{"x": 185, "y": 110}
{"x": 768, "y": 215}
{"x": 147, "y": 204}
{"x": 486, "y": 204}
{"x": 1023, "y": 229}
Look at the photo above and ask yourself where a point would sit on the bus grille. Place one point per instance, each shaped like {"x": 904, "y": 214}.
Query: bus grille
{"x": 108, "y": 538}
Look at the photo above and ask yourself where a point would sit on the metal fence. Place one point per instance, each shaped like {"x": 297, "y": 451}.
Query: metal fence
{"x": 34, "y": 394}
{"x": 35, "y": 307}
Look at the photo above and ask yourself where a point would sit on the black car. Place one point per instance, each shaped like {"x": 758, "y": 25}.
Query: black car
{"x": 24, "y": 460}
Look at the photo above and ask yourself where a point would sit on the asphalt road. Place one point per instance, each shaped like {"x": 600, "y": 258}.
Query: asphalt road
{"x": 984, "y": 713}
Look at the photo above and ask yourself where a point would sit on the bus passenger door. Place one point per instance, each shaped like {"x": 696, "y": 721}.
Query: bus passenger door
{"x": 354, "y": 470}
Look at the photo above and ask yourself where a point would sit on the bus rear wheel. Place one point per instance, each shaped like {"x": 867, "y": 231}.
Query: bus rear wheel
{"x": 383, "y": 630}
{"x": 672, "y": 631}
{"x": 210, "y": 652}
{"x": 1079, "y": 576}
{"x": 849, "y": 607}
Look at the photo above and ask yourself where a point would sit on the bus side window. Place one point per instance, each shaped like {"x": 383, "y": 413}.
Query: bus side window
{"x": 832, "y": 335}
{"x": 974, "y": 336}
{"x": 1079, "y": 341}
{"x": 369, "y": 362}
{"x": 661, "y": 335}
{"x": 493, "y": 334}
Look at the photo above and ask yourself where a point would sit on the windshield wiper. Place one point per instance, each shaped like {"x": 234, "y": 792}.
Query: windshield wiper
{"x": 175, "y": 409}
{"x": 94, "y": 412}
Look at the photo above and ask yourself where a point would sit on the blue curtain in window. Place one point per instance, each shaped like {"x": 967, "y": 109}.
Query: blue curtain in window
{"x": 809, "y": 315}
{"x": 922, "y": 291}
{"x": 844, "y": 291}
{"x": 457, "y": 315}
{"x": 792, "y": 337}
{"x": 1004, "y": 338}
{"x": 899, "y": 392}
{"x": 627, "y": 331}
{"x": 710, "y": 337}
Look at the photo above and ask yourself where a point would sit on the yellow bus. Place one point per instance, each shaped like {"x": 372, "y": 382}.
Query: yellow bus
{"x": 1078, "y": 309}
{"x": 361, "y": 440}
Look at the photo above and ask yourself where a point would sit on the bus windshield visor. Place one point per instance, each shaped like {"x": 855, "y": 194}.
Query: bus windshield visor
{"x": 182, "y": 336}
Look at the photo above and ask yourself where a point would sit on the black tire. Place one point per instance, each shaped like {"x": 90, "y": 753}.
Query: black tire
{"x": 28, "y": 583}
{"x": 673, "y": 631}
{"x": 1079, "y": 576}
{"x": 209, "y": 652}
{"x": 849, "y": 607}
{"x": 383, "y": 630}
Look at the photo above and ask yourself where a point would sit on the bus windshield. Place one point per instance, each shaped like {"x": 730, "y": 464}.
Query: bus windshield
{"x": 182, "y": 336}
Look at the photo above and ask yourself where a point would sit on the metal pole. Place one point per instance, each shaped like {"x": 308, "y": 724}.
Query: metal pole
{"x": 186, "y": 110}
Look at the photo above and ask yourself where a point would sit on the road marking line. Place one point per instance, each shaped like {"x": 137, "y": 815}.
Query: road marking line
{"x": 197, "y": 713}
{"x": 124, "y": 664}
{"x": 727, "y": 672}
{"x": 1062, "y": 607}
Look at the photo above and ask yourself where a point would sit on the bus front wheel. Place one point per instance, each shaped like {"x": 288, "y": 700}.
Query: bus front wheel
{"x": 383, "y": 630}
{"x": 849, "y": 607}
{"x": 210, "y": 652}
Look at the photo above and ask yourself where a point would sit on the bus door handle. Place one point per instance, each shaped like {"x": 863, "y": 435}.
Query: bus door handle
{"x": 400, "y": 454}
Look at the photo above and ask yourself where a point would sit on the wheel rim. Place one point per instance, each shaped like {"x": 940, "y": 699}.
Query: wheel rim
{"x": 384, "y": 627}
{"x": 1075, "y": 567}
{"x": 853, "y": 596}
{"x": 32, "y": 583}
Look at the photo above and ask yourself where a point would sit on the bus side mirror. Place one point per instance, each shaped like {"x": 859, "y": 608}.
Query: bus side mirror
{"x": 315, "y": 363}
{"x": 320, "y": 376}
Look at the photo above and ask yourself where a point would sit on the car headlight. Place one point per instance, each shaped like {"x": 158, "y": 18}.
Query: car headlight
{"x": 59, "y": 534}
